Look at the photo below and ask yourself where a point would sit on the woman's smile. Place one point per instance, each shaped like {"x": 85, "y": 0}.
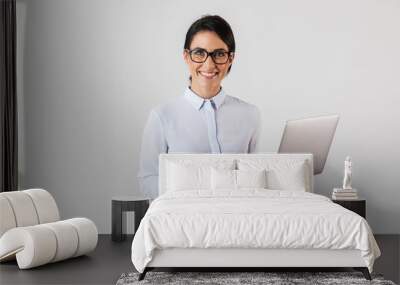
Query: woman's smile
{"x": 209, "y": 75}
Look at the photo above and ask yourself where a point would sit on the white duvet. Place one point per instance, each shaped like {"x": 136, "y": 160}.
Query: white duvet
{"x": 250, "y": 218}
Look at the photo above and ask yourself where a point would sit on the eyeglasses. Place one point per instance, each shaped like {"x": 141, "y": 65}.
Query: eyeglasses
{"x": 200, "y": 55}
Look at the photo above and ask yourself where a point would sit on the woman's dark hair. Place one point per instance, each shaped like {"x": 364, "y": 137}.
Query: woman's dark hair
{"x": 212, "y": 23}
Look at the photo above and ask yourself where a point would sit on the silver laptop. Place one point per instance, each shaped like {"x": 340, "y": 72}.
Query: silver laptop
{"x": 310, "y": 135}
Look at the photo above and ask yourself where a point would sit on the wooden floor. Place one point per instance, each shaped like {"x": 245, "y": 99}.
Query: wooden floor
{"x": 111, "y": 259}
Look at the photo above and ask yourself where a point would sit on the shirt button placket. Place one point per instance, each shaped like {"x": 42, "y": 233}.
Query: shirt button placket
{"x": 212, "y": 126}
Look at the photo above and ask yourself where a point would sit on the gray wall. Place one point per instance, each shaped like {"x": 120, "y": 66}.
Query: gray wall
{"x": 90, "y": 71}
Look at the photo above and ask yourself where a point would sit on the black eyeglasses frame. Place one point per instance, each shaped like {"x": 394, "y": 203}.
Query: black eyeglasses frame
{"x": 209, "y": 54}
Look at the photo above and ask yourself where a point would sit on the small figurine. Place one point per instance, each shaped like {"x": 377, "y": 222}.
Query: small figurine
{"x": 347, "y": 173}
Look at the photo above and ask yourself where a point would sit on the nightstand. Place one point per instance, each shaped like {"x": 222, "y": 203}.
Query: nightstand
{"x": 358, "y": 206}
{"x": 122, "y": 204}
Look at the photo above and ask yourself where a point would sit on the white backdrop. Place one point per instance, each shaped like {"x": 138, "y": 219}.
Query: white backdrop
{"x": 90, "y": 71}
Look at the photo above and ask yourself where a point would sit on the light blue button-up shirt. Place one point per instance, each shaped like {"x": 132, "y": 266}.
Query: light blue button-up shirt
{"x": 192, "y": 124}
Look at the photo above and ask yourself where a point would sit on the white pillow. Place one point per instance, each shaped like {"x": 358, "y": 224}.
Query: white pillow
{"x": 251, "y": 178}
{"x": 223, "y": 179}
{"x": 237, "y": 179}
{"x": 281, "y": 174}
{"x": 188, "y": 175}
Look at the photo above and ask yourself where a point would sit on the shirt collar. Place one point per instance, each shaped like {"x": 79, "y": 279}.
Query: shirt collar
{"x": 198, "y": 101}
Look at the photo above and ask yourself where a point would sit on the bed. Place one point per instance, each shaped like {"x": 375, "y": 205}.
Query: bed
{"x": 245, "y": 211}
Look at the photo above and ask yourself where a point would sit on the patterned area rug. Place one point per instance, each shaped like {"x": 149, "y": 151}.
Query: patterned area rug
{"x": 270, "y": 278}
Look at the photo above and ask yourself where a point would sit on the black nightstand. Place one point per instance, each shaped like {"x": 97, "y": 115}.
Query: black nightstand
{"x": 358, "y": 206}
{"x": 122, "y": 204}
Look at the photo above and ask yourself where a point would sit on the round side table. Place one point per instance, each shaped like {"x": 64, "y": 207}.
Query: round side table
{"x": 121, "y": 204}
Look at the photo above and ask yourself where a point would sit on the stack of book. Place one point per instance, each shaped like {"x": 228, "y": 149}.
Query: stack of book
{"x": 344, "y": 194}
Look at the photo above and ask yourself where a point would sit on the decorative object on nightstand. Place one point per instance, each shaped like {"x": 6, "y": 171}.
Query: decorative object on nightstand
{"x": 358, "y": 206}
{"x": 344, "y": 194}
{"x": 123, "y": 204}
{"x": 347, "y": 173}
{"x": 347, "y": 192}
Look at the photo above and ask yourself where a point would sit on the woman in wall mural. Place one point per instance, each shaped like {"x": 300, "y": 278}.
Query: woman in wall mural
{"x": 204, "y": 119}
